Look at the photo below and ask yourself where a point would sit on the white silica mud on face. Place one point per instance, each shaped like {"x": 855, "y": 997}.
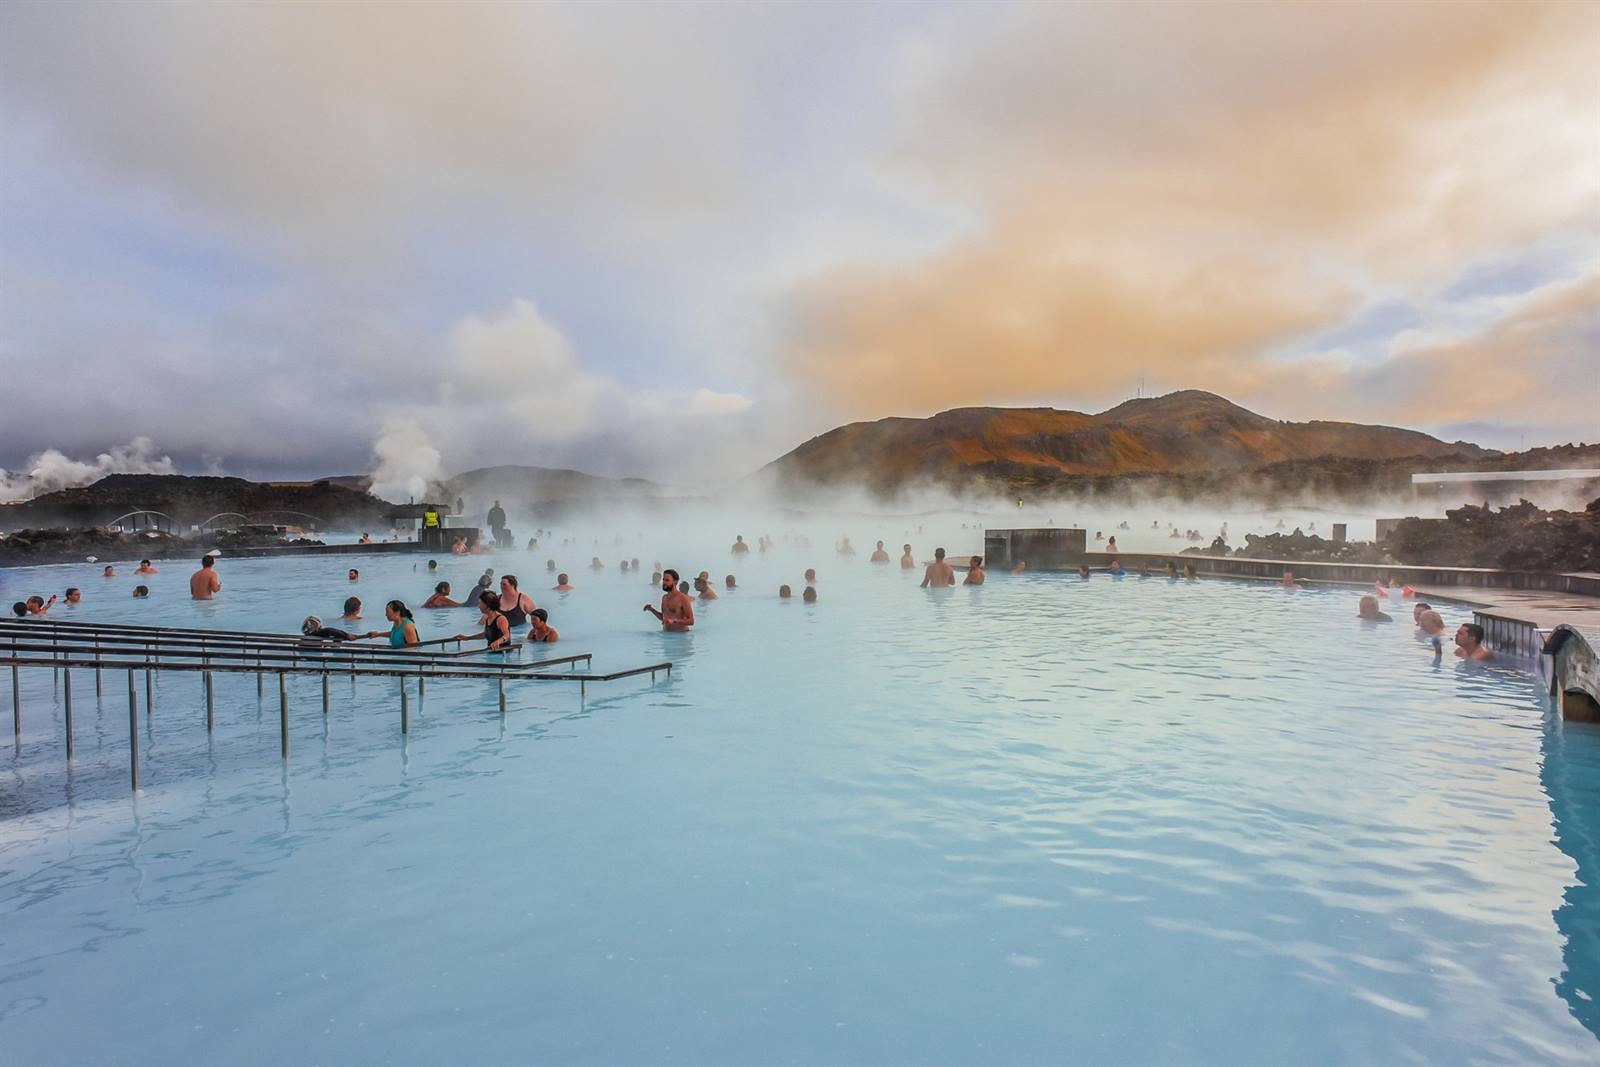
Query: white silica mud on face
{"x": 1045, "y": 820}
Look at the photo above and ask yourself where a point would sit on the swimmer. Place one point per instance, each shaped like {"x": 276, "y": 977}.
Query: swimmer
{"x": 1417, "y": 609}
{"x": 907, "y": 560}
{"x": 141, "y": 591}
{"x": 1189, "y": 573}
{"x": 939, "y": 574}
{"x": 1144, "y": 568}
{"x": 146, "y": 568}
{"x": 975, "y": 575}
{"x": 1172, "y": 569}
{"x": 811, "y": 575}
{"x": 784, "y": 592}
{"x": 20, "y": 608}
{"x": 879, "y": 555}
{"x": 845, "y": 548}
{"x": 74, "y": 595}
{"x": 1469, "y": 643}
{"x": 550, "y": 566}
{"x": 702, "y": 586}
{"x": 635, "y": 562}
{"x": 1288, "y": 581}
{"x": 496, "y": 627}
{"x": 433, "y": 564}
{"x": 809, "y": 596}
{"x": 562, "y": 585}
{"x": 624, "y": 566}
{"x": 739, "y": 547}
{"x": 366, "y": 539}
{"x": 595, "y": 564}
{"x": 655, "y": 578}
{"x": 38, "y": 605}
{"x": 729, "y": 583}
{"x": 1083, "y": 570}
{"x": 1431, "y": 623}
{"x": 204, "y": 582}
{"x": 517, "y": 605}
{"x": 355, "y": 575}
{"x": 402, "y": 627}
{"x": 1116, "y": 569}
{"x": 109, "y": 572}
{"x": 441, "y": 598}
{"x": 1021, "y": 567}
{"x": 542, "y": 631}
{"x": 312, "y": 627}
{"x": 677, "y": 610}
{"x": 1369, "y": 610}
{"x": 352, "y": 609}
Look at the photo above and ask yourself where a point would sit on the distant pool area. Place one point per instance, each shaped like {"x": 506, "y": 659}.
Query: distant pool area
{"x": 1048, "y": 820}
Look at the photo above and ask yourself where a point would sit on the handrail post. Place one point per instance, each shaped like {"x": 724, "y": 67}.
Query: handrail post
{"x": 422, "y": 682}
{"x": 66, "y": 677}
{"x": 283, "y": 713}
{"x": 97, "y": 690}
{"x": 324, "y": 689}
{"x": 149, "y": 690}
{"x": 133, "y": 731}
{"x": 405, "y": 707}
{"x": 211, "y": 715}
{"x": 502, "y": 694}
{"x": 16, "y": 705}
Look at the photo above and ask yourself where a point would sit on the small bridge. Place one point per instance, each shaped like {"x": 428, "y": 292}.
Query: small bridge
{"x": 142, "y": 520}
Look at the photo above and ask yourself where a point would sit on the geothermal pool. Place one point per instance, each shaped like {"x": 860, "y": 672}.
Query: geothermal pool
{"x": 1048, "y": 820}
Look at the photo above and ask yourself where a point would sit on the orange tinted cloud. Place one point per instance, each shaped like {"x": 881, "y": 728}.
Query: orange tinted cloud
{"x": 1175, "y": 191}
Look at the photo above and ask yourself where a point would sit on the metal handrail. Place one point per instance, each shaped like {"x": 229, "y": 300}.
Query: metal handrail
{"x": 303, "y": 645}
{"x": 239, "y": 658}
{"x": 147, "y": 634}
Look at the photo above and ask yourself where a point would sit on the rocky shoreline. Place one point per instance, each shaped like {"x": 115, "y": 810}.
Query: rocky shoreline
{"x": 61, "y": 545}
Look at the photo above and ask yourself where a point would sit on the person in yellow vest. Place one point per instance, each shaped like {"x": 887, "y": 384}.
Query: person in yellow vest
{"x": 430, "y": 519}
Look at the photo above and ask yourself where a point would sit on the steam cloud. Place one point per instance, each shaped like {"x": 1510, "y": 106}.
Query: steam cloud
{"x": 53, "y": 469}
{"x": 406, "y": 462}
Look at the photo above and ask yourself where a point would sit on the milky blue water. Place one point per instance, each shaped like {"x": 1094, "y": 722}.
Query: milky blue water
{"x": 1044, "y": 821}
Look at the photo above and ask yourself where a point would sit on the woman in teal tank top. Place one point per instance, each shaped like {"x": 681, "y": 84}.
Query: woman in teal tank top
{"x": 403, "y": 629}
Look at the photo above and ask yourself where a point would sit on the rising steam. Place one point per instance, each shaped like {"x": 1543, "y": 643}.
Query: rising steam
{"x": 406, "y": 462}
{"x": 53, "y": 469}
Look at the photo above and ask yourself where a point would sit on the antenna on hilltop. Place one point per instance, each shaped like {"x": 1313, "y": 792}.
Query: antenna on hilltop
{"x": 1141, "y": 387}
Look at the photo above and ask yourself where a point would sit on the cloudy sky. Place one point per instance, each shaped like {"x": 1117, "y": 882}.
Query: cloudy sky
{"x": 675, "y": 240}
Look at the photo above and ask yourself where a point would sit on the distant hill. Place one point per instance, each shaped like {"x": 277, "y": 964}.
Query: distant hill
{"x": 1183, "y": 433}
{"x": 538, "y": 488}
{"x": 192, "y": 500}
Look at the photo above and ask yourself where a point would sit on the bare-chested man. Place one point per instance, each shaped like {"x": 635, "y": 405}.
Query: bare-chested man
{"x": 975, "y": 573}
{"x": 1469, "y": 643}
{"x": 204, "y": 582}
{"x": 879, "y": 555}
{"x": 939, "y": 575}
{"x": 677, "y": 608}
{"x": 907, "y": 560}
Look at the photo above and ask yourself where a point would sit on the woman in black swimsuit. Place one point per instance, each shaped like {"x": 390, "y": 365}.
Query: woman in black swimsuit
{"x": 516, "y": 604}
{"x": 496, "y": 628}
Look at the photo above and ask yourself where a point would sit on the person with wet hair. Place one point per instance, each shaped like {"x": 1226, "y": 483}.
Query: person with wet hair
{"x": 810, "y": 595}
{"x": 146, "y": 568}
{"x": 74, "y": 595}
{"x": 352, "y": 609}
{"x": 730, "y": 583}
{"x": 939, "y": 574}
{"x": 441, "y": 598}
{"x": 402, "y": 630}
{"x": 907, "y": 560}
{"x": 677, "y": 609}
{"x": 204, "y": 582}
{"x": 109, "y": 572}
{"x": 784, "y": 592}
{"x": 141, "y": 591}
{"x": 496, "y": 627}
{"x": 562, "y": 584}
{"x": 20, "y": 609}
{"x": 1369, "y": 612}
{"x": 975, "y": 574}
{"x": 702, "y": 585}
{"x": 38, "y": 605}
{"x": 540, "y": 628}
{"x": 878, "y": 555}
{"x": 1469, "y": 643}
{"x": 1083, "y": 570}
